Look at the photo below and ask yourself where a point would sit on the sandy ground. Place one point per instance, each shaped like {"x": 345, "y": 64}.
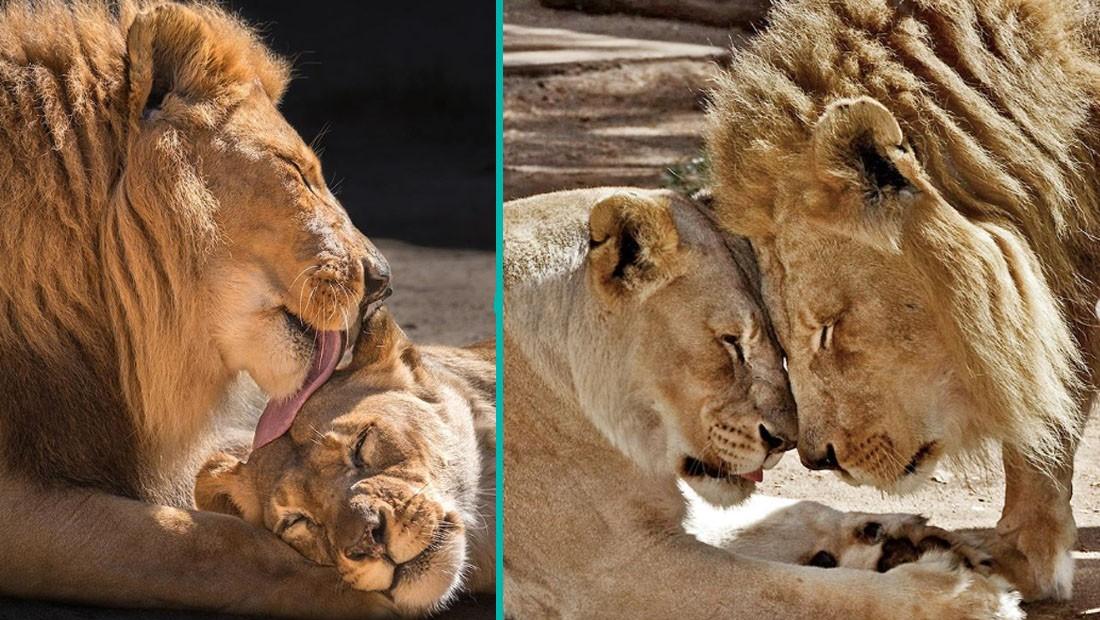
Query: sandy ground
{"x": 441, "y": 296}
{"x": 639, "y": 123}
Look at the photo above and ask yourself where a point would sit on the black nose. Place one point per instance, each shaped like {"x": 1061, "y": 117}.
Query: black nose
{"x": 372, "y": 544}
{"x": 827, "y": 461}
{"x": 376, "y": 278}
{"x": 774, "y": 442}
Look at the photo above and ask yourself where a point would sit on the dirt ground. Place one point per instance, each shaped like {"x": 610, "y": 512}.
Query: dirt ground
{"x": 640, "y": 123}
{"x": 441, "y": 296}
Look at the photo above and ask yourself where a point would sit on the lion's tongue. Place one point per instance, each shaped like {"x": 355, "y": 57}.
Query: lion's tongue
{"x": 277, "y": 417}
{"x": 755, "y": 476}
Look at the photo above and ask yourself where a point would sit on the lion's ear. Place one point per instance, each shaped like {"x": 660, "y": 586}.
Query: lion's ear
{"x": 221, "y": 486}
{"x": 860, "y": 152}
{"x": 166, "y": 47}
{"x": 633, "y": 244}
{"x": 194, "y": 53}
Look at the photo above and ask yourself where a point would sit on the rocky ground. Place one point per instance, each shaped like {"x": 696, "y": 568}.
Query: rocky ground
{"x": 638, "y": 121}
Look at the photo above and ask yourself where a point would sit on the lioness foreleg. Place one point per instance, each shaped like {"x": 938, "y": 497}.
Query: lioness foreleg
{"x": 90, "y": 547}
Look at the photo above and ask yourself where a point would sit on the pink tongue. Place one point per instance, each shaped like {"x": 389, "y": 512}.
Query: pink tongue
{"x": 328, "y": 348}
{"x": 755, "y": 476}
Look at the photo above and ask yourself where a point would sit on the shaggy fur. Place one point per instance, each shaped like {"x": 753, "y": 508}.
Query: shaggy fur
{"x": 612, "y": 383}
{"x": 95, "y": 303}
{"x": 983, "y": 223}
{"x": 165, "y": 231}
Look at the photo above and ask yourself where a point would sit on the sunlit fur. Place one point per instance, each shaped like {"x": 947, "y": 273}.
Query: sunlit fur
{"x": 134, "y": 250}
{"x": 965, "y": 301}
{"x": 424, "y": 422}
{"x": 612, "y": 359}
{"x": 680, "y": 389}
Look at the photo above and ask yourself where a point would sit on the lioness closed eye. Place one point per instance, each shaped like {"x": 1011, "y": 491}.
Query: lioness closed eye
{"x": 387, "y": 473}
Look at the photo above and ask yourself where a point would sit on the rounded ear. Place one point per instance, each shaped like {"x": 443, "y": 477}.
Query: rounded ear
{"x": 860, "y": 152}
{"x": 196, "y": 53}
{"x": 166, "y": 47}
{"x": 858, "y": 142}
{"x": 221, "y": 486}
{"x": 381, "y": 343}
{"x": 633, "y": 244}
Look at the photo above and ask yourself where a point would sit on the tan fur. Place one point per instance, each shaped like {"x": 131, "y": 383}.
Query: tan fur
{"x": 159, "y": 214}
{"x": 610, "y": 385}
{"x": 426, "y": 418}
{"x": 918, "y": 179}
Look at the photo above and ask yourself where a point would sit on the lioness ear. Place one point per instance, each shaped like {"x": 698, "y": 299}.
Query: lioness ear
{"x": 222, "y": 487}
{"x": 633, "y": 244}
{"x": 860, "y": 151}
{"x": 381, "y": 342}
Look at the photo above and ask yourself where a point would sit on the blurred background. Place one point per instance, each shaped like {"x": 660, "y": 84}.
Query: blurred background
{"x": 401, "y": 99}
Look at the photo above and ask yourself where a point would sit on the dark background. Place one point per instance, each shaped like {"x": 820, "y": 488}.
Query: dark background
{"x": 405, "y": 95}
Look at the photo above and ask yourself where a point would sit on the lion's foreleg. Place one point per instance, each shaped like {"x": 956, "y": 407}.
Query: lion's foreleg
{"x": 1037, "y": 530}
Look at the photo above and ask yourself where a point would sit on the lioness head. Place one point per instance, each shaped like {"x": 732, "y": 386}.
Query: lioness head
{"x": 670, "y": 353}
{"x": 378, "y": 476}
{"x": 281, "y": 267}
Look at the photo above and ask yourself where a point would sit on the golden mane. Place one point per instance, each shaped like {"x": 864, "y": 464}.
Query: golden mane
{"x": 100, "y": 248}
{"x": 998, "y": 100}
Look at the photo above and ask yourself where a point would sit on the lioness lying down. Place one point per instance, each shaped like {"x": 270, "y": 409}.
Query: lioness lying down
{"x": 636, "y": 355}
{"x": 387, "y": 473}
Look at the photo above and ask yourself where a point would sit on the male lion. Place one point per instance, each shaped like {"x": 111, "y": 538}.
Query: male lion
{"x": 637, "y": 353}
{"x": 164, "y": 230}
{"x": 388, "y": 473}
{"x": 919, "y": 183}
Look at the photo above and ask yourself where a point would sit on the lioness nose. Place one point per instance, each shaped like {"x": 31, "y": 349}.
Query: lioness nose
{"x": 372, "y": 544}
{"x": 827, "y": 460}
{"x": 773, "y": 441}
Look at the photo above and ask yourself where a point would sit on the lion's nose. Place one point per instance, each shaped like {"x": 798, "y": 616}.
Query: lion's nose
{"x": 372, "y": 543}
{"x": 826, "y": 460}
{"x": 376, "y": 277}
{"x": 774, "y": 441}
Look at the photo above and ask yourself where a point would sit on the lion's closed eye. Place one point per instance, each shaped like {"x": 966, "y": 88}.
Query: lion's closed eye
{"x": 299, "y": 171}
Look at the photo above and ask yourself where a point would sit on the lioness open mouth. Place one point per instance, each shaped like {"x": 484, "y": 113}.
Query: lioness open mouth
{"x": 692, "y": 467}
{"x": 921, "y": 455}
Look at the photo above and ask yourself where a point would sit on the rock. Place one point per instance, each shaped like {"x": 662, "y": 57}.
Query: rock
{"x": 713, "y": 12}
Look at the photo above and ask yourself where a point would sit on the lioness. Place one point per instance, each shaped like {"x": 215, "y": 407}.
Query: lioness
{"x": 164, "y": 231}
{"x": 919, "y": 183}
{"x": 388, "y": 473}
{"x": 636, "y": 354}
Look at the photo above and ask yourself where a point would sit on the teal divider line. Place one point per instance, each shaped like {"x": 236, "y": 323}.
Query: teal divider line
{"x": 498, "y": 306}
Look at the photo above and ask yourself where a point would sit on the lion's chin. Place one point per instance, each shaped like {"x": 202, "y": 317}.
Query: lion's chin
{"x": 903, "y": 485}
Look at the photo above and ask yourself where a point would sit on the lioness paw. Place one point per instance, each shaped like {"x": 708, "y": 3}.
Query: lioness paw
{"x": 884, "y": 542}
